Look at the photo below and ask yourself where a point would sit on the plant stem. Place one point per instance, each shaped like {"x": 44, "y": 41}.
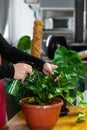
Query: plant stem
{"x": 73, "y": 105}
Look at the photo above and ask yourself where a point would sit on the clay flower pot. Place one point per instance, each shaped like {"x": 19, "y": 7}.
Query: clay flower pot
{"x": 41, "y": 117}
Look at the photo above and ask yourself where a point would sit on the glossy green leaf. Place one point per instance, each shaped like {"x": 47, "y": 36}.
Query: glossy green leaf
{"x": 24, "y": 43}
{"x": 80, "y": 95}
{"x": 31, "y": 100}
{"x": 82, "y": 104}
{"x": 81, "y": 116}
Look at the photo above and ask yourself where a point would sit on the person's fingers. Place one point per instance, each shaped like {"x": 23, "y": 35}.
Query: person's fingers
{"x": 54, "y": 67}
{"x": 48, "y": 68}
{"x": 23, "y": 77}
{"x": 45, "y": 72}
{"x": 21, "y": 69}
{"x": 51, "y": 68}
{"x": 28, "y": 69}
{"x": 57, "y": 77}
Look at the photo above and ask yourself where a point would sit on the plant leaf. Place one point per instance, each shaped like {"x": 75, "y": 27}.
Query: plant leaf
{"x": 82, "y": 104}
{"x": 31, "y": 100}
{"x": 81, "y": 116}
{"x": 70, "y": 99}
{"x": 80, "y": 95}
{"x": 24, "y": 43}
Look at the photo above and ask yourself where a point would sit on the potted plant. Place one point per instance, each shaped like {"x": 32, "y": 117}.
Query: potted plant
{"x": 44, "y": 90}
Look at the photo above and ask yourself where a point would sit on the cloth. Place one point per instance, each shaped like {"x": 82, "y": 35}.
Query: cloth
{"x": 2, "y": 103}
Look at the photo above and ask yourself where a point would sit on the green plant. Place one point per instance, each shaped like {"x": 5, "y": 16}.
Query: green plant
{"x": 75, "y": 72}
{"x": 71, "y": 69}
{"x": 24, "y": 43}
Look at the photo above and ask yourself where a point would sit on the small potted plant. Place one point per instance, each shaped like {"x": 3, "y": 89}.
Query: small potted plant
{"x": 44, "y": 90}
{"x": 42, "y": 110}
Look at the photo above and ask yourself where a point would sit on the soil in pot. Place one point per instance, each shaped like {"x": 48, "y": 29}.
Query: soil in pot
{"x": 41, "y": 117}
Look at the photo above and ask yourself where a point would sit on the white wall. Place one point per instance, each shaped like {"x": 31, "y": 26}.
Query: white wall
{"x": 20, "y": 20}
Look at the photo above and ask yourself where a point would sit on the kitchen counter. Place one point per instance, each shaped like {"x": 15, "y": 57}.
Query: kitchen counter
{"x": 67, "y": 122}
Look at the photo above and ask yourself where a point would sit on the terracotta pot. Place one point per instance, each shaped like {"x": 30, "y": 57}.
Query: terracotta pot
{"x": 41, "y": 117}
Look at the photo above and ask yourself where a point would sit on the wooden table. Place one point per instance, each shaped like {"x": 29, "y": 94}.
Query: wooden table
{"x": 64, "y": 123}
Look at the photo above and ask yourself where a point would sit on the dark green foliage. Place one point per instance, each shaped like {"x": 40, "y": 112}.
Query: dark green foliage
{"x": 24, "y": 43}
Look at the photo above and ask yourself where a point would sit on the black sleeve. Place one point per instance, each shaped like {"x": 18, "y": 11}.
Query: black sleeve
{"x": 14, "y": 55}
{"x": 6, "y": 71}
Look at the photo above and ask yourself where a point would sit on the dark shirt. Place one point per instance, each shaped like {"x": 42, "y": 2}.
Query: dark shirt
{"x": 14, "y": 55}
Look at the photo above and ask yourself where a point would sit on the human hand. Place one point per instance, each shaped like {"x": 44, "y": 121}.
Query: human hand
{"x": 20, "y": 71}
{"x": 57, "y": 77}
{"x": 48, "y": 68}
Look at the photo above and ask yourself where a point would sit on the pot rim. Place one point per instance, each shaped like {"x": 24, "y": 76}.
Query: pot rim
{"x": 60, "y": 103}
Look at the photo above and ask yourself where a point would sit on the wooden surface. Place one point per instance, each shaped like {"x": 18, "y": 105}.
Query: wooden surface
{"x": 64, "y": 123}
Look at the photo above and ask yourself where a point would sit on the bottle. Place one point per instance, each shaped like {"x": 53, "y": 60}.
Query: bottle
{"x": 13, "y": 87}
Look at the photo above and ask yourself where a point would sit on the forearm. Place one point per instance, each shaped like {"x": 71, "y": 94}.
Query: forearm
{"x": 14, "y": 55}
{"x": 19, "y": 56}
